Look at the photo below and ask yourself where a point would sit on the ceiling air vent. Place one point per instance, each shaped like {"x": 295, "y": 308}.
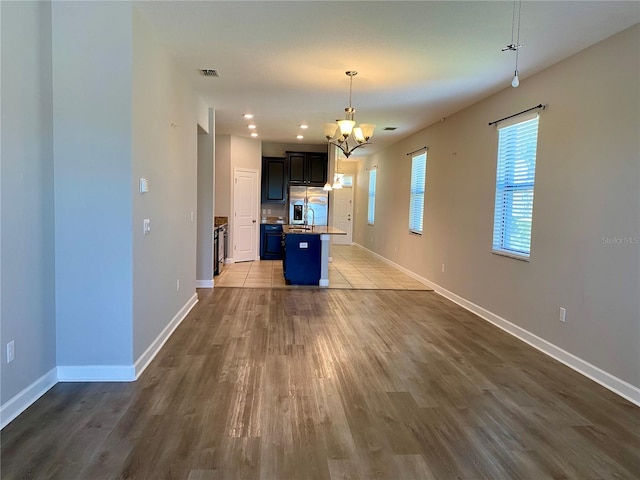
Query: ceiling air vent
{"x": 389, "y": 129}
{"x": 210, "y": 72}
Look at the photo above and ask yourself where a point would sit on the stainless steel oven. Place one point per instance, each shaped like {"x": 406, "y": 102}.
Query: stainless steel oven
{"x": 219, "y": 248}
{"x": 222, "y": 253}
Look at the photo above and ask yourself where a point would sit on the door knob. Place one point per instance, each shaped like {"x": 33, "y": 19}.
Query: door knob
{"x": 253, "y": 221}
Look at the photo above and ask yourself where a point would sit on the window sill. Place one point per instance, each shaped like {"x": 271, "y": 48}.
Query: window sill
{"x": 515, "y": 256}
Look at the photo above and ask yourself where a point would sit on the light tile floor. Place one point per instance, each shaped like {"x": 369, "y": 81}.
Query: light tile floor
{"x": 352, "y": 268}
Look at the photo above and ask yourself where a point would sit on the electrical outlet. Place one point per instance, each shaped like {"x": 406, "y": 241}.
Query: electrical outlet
{"x": 11, "y": 351}
{"x": 443, "y": 268}
{"x": 178, "y": 285}
{"x": 563, "y": 314}
{"x": 193, "y": 217}
{"x": 146, "y": 226}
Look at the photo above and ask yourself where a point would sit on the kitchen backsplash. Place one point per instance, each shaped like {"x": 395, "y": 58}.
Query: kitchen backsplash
{"x": 269, "y": 210}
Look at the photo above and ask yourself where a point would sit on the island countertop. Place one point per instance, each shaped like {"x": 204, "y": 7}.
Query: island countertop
{"x": 315, "y": 230}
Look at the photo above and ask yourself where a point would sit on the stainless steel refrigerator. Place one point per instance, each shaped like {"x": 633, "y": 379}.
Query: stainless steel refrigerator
{"x": 308, "y": 203}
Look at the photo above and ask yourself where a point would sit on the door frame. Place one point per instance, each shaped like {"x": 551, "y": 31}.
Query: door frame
{"x": 333, "y": 213}
{"x": 232, "y": 220}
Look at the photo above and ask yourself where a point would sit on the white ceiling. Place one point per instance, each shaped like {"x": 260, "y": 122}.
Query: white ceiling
{"x": 418, "y": 61}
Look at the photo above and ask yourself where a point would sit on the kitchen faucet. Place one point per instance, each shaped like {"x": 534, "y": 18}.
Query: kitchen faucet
{"x": 306, "y": 217}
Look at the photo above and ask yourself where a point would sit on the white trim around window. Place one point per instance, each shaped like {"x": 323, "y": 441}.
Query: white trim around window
{"x": 515, "y": 182}
{"x": 371, "y": 207}
{"x": 416, "y": 192}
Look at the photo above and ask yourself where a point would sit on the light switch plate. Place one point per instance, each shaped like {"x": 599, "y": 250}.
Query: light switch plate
{"x": 144, "y": 185}
{"x": 11, "y": 351}
{"x": 146, "y": 226}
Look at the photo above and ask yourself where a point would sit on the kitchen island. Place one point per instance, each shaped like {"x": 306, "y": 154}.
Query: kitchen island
{"x": 306, "y": 254}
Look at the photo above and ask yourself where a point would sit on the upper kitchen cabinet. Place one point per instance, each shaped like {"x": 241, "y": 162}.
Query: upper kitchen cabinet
{"x": 307, "y": 168}
{"x": 274, "y": 180}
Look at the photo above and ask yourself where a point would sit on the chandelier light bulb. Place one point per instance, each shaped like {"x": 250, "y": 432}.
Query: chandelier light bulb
{"x": 346, "y": 127}
{"x": 516, "y": 81}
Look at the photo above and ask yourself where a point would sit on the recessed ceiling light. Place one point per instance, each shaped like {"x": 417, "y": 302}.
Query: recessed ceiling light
{"x": 304, "y": 125}
{"x": 300, "y": 137}
{"x": 251, "y": 126}
{"x": 248, "y": 115}
{"x": 254, "y": 134}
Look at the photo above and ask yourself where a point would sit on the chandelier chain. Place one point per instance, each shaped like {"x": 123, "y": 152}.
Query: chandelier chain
{"x": 350, "y": 88}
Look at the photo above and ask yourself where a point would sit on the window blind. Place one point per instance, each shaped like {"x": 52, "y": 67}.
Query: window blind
{"x": 515, "y": 179}
{"x": 416, "y": 196}
{"x": 371, "y": 211}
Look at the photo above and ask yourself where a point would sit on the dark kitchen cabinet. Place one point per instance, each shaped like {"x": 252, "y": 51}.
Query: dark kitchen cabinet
{"x": 307, "y": 168}
{"x": 274, "y": 180}
{"x": 301, "y": 263}
{"x": 270, "y": 242}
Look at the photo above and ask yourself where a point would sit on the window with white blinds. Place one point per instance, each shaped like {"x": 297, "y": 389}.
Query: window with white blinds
{"x": 515, "y": 180}
{"x": 371, "y": 211}
{"x": 416, "y": 196}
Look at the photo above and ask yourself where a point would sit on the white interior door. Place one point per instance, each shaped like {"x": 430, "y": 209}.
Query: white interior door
{"x": 245, "y": 205}
{"x": 343, "y": 215}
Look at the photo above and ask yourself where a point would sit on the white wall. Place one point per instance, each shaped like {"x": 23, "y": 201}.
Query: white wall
{"x": 90, "y": 103}
{"x": 233, "y": 152}
{"x": 281, "y": 149}
{"x": 165, "y": 113}
{"x": 27, "y": 246}
{"x": 223, "y": 176}
{"x": 245, "y": 153}
{"x": 92, "y": 115}
{"x": 206, "y": 205}
{"x": 587, "y": 191}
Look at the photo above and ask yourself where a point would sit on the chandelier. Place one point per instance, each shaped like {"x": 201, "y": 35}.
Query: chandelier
{"x": 343, "y": 134}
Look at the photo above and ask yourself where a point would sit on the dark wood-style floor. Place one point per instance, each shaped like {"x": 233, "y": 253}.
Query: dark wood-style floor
{"x": 331, "y": 384}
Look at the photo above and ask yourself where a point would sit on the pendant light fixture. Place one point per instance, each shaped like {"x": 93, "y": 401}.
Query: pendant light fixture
{"x": 343, "y": 134}
{"x": 337, "y": 178}
{"x": 515, "y": 46}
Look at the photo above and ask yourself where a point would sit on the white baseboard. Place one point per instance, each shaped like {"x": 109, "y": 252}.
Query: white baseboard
{"x": 96, "y": 373}
{"x": 24, "y": 399}
{"x": 406, "y": 271}
{"x": 90, "y": 373}
{"x": 149, "y": 354}
{"x": 228, "y": 261}
{"x": 611, "y": 382}
{"x": 204, "y": 283}
{"x": 125, "y": 373}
